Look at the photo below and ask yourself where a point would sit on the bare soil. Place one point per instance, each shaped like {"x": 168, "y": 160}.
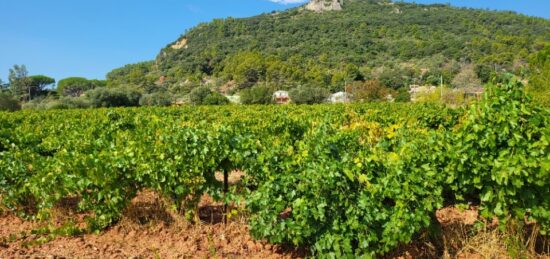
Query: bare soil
{"x": 150, "y": 230}
{"x": 147, "y": 230}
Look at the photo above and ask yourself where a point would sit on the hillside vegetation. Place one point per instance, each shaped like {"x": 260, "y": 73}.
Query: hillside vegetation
{"x": 396, "y": 43}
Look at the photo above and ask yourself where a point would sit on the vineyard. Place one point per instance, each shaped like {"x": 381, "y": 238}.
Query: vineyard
{"x": 342, "y": 180}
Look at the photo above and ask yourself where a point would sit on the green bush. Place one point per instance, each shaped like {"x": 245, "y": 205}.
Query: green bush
{"x": 204, "y": 96}
{"x": 215, "y": 99}
{"x": 156, "y": 99}
{"x": 308, "y": 95}
{"x": 258, "y": 94}
{"x": 403, "y": 95}
{"x": 198, "y": 95}
{"x": 370, "y": 91}
{"x": 8, "y": 103}
{"x": 72, "y": 103}
{"x": 40, "y": 103}
{"x": 114, "y": 97}
{"x": 49, "y": 103}
{"x": 499, "y": 155}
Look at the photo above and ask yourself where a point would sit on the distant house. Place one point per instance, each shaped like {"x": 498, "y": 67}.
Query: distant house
{"x": 339, "y": 97}
{"x": 233, "y": 99}
{"x": 281, "y": 97}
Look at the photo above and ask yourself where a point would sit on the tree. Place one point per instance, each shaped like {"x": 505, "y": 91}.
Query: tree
{"x": 135, "y": 74}
{"x": 246, "y": 68}
{"x": 74, "y": 86}
{"x": 258, "y": 94}
{"x": 198, "y": 95}
{"x": 466, "y": 78}
{"x": 38, "y": 84}
{"x": 3, "y": 86}
{"x": 8, "y": 103}
{"x": 396, "y": 78}
{"x": 484, "y": 72}
{"x": 369, "y": 91}
{"x": 403, "y": 95}
{"x": 19, "y": 81}
{"x": 352, "y": 73}
{"x": 98, "y": 83}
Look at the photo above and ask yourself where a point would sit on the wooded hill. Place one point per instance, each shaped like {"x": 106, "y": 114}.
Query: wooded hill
{"x": 397, "y": 43}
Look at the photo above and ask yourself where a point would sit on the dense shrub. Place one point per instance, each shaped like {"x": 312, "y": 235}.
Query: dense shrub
{"x": 114, "y": 97}
{"x": 258, "y": 94}
{"x": 156, "y": 99}
{"x": 397, "y": 78}
{"x": 215, "y": 99}
{"x": 403, "y": 95}
{"x": 198, "y": 95}
{"x": 50, "y": 103}
{"x": 8, "y": 103}
{"x": 204, "y": 96}
{"x": 72, "y": 103}
{"x": 370, "y": 91}
{"x": 420, "y": 45}
{"x": 40, "y": 103}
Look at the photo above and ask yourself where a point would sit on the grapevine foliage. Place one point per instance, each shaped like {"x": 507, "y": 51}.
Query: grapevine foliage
{"x": 344, "y": 180}
{"x": 500, "y": 155}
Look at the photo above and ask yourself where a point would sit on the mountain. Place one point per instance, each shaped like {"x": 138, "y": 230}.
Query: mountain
{"x": 329, "y": 43}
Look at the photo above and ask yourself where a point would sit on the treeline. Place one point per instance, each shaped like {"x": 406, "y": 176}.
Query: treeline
{"x": 124, "y": 87}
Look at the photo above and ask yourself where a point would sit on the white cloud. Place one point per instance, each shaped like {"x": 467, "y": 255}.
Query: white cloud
{"x": 288, "y": 1}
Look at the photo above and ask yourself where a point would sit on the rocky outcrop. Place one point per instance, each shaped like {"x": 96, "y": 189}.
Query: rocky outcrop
{"x": 180, "y": 44}
{"x": 324, "y": 5}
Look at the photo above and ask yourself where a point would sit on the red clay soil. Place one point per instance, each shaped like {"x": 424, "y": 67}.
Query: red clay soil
{"x": 197, "y": 242}
{"x": 147, "y": 231}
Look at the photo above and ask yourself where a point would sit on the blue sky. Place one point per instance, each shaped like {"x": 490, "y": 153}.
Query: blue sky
{"x": 62, "y": 38}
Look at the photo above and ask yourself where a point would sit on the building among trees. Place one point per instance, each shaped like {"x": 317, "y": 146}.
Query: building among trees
{"x": 339, "y": 97}
{"x": 281, "y": 97}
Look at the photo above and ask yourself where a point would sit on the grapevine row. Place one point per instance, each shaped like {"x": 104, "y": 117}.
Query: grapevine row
{"x": 354, "y": 179}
